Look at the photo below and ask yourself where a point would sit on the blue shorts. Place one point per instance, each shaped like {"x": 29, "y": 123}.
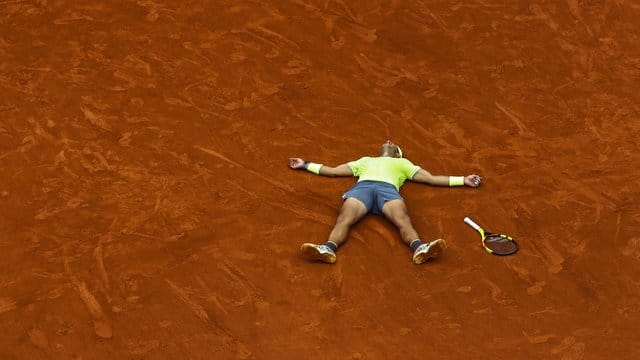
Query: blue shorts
{"x": 373, "y": 194}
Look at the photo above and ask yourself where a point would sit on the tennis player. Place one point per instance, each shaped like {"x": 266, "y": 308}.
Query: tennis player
{"x": 377, "y": 192}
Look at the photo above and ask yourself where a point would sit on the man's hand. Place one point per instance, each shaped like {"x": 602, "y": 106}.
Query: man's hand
{"x": 296, "y": 163}
{"x": 473, "y": 180}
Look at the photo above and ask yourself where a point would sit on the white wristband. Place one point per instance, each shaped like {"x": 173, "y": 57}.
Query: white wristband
{"x": 314, "y": 168}
{"x": 456, "y": 180}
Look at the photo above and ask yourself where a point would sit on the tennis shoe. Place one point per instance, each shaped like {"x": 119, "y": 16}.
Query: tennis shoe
{"x": 428, "y": 251}
{"x": 316, "y": 252}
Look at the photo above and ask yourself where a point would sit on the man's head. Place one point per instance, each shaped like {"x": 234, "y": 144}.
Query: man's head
{"x": 391, "y": 150}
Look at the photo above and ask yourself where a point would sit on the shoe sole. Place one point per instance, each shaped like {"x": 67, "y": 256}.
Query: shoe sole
{"x": 311, "y": 253}
{"x": 435, "y": 249}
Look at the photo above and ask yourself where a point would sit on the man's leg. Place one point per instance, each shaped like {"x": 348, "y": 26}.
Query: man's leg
{"x": 396, "y": 211}
{"x": 351, "y": 212}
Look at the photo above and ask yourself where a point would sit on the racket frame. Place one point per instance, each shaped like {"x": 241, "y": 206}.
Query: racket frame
{"x": 484, "y": 234}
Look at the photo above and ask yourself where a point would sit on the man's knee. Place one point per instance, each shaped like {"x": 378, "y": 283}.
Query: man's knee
{"x": 403, "y": 223}
{"x": 346, "y": 218}
{"x": 352, "y": 210}
{"x": 402, "y": 220}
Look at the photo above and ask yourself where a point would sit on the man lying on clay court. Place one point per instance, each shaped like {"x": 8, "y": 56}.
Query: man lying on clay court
{"x": 377, "y": 191}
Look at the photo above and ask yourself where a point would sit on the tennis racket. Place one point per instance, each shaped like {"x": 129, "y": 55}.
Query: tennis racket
{"x": 496, "y": 244}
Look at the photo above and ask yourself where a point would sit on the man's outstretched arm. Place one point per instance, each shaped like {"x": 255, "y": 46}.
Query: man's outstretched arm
{"x": 425, "y": 177}
{"x": 324, "y": 170}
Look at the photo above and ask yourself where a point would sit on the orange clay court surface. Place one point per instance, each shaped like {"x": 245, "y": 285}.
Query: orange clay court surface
{"x": 147, "y": 210}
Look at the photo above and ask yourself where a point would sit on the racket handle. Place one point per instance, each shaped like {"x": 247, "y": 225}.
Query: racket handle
{"x": 471, "y": 223}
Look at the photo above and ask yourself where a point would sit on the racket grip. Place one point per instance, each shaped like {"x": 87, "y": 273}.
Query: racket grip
{"x": 471, "y": 223}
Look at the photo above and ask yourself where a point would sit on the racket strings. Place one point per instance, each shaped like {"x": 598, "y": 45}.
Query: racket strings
{"x": 500, "y": 244}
